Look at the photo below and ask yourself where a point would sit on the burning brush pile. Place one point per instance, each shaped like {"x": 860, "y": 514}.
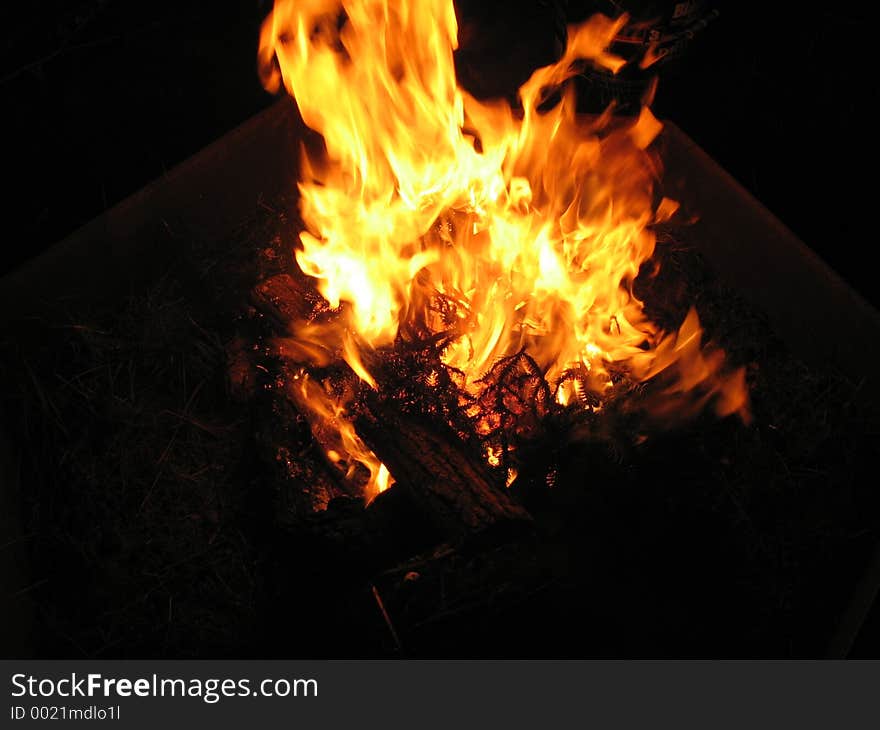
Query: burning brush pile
{"x": 488, "y": 325}
{"x": 476, "y": 263}
{"x": 464, "y": 392}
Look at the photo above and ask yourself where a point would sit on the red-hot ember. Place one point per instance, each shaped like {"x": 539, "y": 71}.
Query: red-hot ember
{"x": 533, "y": 223}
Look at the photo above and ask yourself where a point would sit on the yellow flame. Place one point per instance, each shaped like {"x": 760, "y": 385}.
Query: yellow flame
{"x": 336, "y": 433}
{"x": 535, "y": 222}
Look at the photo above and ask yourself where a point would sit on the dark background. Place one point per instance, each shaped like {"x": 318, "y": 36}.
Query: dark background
{"x": 102, "y": 96}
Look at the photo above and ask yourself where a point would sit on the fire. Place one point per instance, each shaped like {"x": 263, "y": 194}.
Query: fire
{"x": 534, "y": 223}
{"x": 336, "y": 433}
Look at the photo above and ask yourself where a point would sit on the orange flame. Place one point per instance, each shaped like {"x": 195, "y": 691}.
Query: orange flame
{"x": 534, "y": 223}
{"x": 336, "y": 433}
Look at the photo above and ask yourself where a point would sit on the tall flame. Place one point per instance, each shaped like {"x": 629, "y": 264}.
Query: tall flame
{"x": 535, "y": 223}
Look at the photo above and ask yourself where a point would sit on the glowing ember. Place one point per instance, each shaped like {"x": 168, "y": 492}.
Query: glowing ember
{"x": 530, "y": 225}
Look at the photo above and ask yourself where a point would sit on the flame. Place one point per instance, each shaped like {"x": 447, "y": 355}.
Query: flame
{"x": 535, "y": 223}
{"x": 336, "y": 433}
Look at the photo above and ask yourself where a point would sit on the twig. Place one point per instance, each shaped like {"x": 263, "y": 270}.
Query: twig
{"x": 387, "y": 618}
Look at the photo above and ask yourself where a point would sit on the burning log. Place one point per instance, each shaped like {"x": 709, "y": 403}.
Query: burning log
{"x": 430, "y": 464}
{"x": 454, "y": 491}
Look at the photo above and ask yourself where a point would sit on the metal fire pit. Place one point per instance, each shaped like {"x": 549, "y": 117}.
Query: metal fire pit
{"x": 819, "y": 317}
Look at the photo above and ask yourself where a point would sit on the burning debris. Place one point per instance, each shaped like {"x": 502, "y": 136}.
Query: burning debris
{"x": 477, "y": 262}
